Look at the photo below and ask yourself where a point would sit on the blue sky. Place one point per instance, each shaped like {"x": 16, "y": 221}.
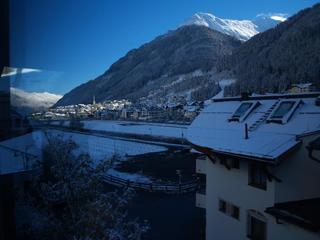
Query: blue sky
{"x": 77, "y": 40}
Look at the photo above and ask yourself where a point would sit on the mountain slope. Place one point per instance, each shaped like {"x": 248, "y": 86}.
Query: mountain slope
{"x": 273, "y": 60}
{"x": 240, "y": 29}
{"x": 160, "y": 62}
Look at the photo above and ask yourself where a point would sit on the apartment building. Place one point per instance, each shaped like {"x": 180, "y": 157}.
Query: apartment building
{"x": 261, "y": 164}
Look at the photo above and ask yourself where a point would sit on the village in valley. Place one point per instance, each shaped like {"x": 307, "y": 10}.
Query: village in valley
{"x": 176, "y": 111}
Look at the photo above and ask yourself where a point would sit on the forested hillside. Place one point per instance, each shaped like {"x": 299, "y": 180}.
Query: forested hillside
{"x": 273, "y": 60}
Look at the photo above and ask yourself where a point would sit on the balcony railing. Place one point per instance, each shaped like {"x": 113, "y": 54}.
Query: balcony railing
{"x": 13, "y": 160}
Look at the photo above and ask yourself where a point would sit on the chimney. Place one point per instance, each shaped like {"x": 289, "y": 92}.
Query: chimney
{"x": 245, "y": 96}
{"x": 246, "y": 136}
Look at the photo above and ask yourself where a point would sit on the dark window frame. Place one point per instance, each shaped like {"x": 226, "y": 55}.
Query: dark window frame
{"x": 257, "y": 176}
{"x": 222, "y": 206}
{"x": 253, "y": 220}
{"x": 235, "y": 163}
{"x": 229, "y": 209}
{"x": 235, "y": 212}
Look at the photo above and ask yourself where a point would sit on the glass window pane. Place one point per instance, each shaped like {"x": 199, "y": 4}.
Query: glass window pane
{"x": 244, "y": 107}
{"x": 258, "y": 229}
{"x": 235, "y": 212}
{"x": 222, "y": 206}
{"x": 283, "y": 109}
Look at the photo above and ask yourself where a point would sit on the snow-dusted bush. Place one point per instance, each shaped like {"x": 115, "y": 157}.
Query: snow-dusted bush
{"x": 72, "y": 193}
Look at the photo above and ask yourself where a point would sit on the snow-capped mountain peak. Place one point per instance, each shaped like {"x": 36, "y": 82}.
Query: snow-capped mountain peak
{"x": 32, "y": 100}
{"x": 240, "y": 29}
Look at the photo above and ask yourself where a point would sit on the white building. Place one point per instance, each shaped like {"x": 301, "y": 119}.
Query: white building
{"x": 261, "y": 167}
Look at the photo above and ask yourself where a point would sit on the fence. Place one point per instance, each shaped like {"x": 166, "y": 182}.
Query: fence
{"x": 13, "y": 160}
{"x": 170, "y": 188}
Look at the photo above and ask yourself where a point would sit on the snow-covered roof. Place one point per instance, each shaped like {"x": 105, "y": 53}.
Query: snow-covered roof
{"x": 267, "y": 140}
{"x": 302, "y": 85}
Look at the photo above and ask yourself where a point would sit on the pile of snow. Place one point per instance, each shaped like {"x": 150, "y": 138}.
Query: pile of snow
{"x": 240, "y": 29}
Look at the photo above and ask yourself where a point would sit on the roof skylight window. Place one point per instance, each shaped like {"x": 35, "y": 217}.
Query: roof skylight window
{"x": 283, "y": 109}
{"x": 243, "y": 111}
{"x": 283, "y": 112}
{"x": 244, "y": 107}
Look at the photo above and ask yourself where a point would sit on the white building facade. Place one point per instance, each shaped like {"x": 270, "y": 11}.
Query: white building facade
{"x": 257, "y": 157}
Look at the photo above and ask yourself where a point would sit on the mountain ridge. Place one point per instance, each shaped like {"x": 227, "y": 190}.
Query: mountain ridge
{"x": 240, "y": 29}
{"x": 25, "y": 102}
{"x": 157, "y": 63}
{"x": 277, "y": 58}
{"x": 191, "y": 60}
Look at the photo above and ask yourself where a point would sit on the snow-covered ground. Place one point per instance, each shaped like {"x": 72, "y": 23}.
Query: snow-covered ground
{"x": 153, "y": 129}
{"x": 99, "y": 148}
{"x": 59, "y": 123}
{"x": 140, "y": 128}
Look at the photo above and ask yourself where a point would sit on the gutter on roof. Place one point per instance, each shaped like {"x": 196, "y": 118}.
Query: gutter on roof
{"x": 269, "y": 97}
{"x": 210, "y": 151}
{"x": 273, "y": 161}
{"x": 308, "y": 134}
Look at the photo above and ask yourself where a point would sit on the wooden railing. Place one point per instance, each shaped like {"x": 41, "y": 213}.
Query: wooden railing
{"x": 170, "y": 188}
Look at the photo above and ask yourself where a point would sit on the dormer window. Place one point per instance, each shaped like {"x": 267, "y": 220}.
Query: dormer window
{"x": 243, "y": 111}
{"x": 284, "y": 111}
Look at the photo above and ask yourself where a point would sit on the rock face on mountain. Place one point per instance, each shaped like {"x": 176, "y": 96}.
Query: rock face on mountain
{"x": 272, "y": 61}
{"x": 192, "y": 50}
